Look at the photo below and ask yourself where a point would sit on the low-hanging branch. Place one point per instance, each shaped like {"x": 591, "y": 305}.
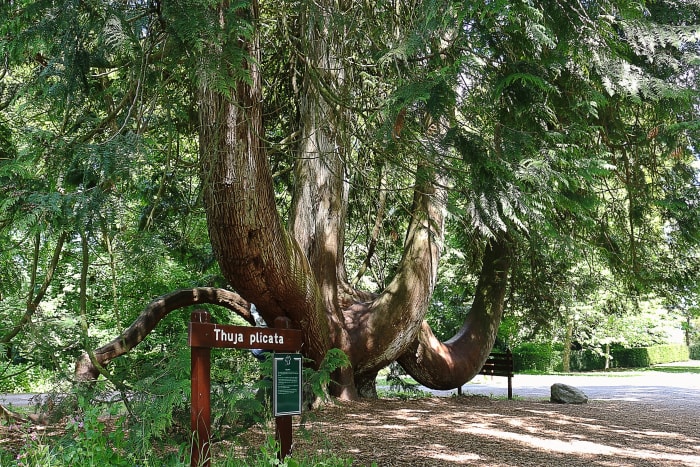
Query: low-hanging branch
{"x": 87, "y": 370}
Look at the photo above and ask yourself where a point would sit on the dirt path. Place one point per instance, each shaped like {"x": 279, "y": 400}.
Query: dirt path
{"x": 646, "y": 418}
{"x": 649, "y": 419}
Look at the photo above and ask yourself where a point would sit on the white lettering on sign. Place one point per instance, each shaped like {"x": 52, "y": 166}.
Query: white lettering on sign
{"x": 261, "y": 338}
{"x": 223, "y": 336}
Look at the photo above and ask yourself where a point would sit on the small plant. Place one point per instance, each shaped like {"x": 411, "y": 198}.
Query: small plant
{"x": 88, "y": 442}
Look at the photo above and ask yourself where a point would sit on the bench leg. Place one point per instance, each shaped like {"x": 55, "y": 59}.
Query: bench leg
{"x": 510, "y": 388}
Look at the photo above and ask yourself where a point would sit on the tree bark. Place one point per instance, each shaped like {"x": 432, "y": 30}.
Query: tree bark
{"x": 258, "y": 256}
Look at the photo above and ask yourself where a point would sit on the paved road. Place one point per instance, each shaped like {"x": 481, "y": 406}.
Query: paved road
{"x": 659, "y": 387}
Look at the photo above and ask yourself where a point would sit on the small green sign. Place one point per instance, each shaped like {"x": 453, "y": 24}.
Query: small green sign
{"x": 286, "y": 378}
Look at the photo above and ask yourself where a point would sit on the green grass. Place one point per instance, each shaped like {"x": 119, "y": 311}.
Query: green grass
{"x": 676, "y": 369}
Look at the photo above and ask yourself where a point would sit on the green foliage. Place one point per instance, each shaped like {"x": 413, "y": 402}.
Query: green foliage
{"x": 317, "y": 381}
{"x": 586, "y": 360}
{"x": 569, "y": 126}
{"x": 694, "y": 352}
{"x": 23, "y": 377}
{"x": 88, "y": 442}
{"x": 160, "y": 403}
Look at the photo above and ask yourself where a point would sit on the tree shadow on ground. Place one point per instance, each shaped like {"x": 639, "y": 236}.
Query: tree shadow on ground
{"x": 477, "y": 430}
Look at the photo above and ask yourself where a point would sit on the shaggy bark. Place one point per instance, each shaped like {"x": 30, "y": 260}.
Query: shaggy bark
{"x": 257, "y": 255}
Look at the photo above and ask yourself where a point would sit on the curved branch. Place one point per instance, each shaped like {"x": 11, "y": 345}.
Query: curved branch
{"x": 396, "y": 314}
{"x": 86, "y": 370}
{"x": 448, "y": 365}
{"x": 33, "y": 302}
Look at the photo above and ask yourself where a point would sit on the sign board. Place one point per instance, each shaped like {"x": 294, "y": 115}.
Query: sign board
{"x": 212, "y": 335}
{"x": 286, "y": 384}
{"x": 205, "y": 335}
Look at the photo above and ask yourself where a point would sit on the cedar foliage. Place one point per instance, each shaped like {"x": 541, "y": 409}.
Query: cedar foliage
{"x": 570, "y": 126}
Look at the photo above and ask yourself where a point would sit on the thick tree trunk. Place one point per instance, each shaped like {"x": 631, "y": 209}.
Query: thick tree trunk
{"x": 256, "y": 253}
{"x": 319, "y": 205}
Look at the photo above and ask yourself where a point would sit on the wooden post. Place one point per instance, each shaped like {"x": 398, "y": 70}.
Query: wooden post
{"x": 283, "y": 424}
{"x": 200, "y": 414}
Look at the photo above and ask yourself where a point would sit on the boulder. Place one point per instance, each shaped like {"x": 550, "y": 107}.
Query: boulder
{"x": 565, "y": 394}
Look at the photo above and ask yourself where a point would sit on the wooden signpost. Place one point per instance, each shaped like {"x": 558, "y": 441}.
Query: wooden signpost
{"x": 205, "y": 335}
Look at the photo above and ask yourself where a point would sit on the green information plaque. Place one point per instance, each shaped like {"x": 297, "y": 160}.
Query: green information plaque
{"x": 286, "y": 382}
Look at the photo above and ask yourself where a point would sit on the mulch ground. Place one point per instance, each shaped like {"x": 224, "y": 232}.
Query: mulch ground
{"x": 476, "y": 430}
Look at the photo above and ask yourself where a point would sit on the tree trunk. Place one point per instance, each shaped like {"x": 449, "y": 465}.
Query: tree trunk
{"x": 566, "y": 356}
{"x": 256, "y": 253}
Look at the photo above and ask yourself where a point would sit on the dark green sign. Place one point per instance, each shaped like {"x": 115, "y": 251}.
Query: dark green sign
{"x": 286, "y": 379}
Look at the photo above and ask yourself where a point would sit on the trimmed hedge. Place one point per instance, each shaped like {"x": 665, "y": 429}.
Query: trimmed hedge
{"x": 695, "y": 352}
{"x": 641, "y": 357}
{"x": 544, "y": 358}
{"x": 534, "y": 357}
{"x": 586, "y": 360}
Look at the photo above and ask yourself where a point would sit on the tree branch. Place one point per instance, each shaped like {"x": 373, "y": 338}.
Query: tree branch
{"x": 86, "y": 368}
{"x": 448, "y": 365}
{"x": 33, "y": 302}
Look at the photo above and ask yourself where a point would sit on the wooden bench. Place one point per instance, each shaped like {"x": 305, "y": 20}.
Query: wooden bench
{"x": 498, "y": 364}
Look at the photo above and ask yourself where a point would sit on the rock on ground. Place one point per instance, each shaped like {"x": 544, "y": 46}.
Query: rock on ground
{"x": 565, "y": 394}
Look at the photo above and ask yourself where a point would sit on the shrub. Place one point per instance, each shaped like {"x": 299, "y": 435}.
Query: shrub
{"x": 637, "y": 357}
{"x": 641, "y": 357}
{"x": 694, "y": 352}
{"x": 586, "y": 360}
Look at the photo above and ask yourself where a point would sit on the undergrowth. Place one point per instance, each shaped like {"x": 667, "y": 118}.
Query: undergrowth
{"x": 148, "y": 422}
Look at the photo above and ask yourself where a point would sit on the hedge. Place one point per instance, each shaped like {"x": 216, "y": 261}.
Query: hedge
{"x": 586, "y": 360}
{"x": 641, "y": 357}
{"x": 543, "y": 358}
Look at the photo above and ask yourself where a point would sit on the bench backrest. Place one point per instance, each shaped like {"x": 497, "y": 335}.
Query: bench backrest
{"x": 498, "y": 364}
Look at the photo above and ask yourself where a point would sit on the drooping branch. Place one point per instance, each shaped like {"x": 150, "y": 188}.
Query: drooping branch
{"x": 448, "y": 365}
{"x": 85, "y": 368}
{"x": 33, "y": 301}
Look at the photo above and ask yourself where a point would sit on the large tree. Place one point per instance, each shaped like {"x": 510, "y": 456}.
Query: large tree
{"x": 297, "y": 269}
{"x": 509, "y": 122}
